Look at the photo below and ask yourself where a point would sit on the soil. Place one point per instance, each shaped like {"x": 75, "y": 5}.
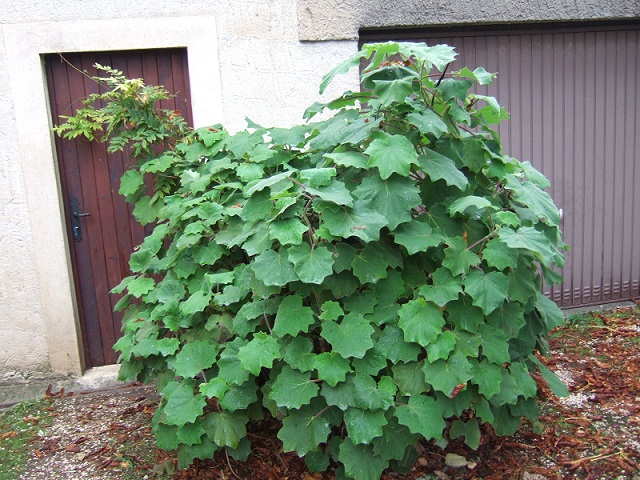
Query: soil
{"x": 592, "y": 434}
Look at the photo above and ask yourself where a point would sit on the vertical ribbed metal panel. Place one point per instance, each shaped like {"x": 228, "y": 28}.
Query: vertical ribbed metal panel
{"x": 572, "y": 94}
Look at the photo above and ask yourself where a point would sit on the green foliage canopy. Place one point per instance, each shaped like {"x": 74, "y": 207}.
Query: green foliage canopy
{"x": 369, "y": 278}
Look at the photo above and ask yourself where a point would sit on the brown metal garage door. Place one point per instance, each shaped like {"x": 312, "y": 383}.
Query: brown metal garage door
{"x": 573, "y": 95}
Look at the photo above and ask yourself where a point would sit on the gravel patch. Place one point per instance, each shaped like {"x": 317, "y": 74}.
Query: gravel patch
{"x": 81, "y": 442}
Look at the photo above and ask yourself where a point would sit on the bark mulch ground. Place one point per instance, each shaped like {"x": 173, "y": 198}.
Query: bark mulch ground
{"x": 592, "y": 434}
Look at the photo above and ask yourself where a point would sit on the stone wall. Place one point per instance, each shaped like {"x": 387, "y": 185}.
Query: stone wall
{"x": 342, "y": 19}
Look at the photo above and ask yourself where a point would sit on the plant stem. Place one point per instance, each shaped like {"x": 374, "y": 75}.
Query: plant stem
{"x": 310, "y": 228}
{"x": 486, "y": 237}
{"x": 444, "y": 72}
{"x": 322, "y": 411}
{"x": 301, "y": 185}
{"x": 266, "y": 322}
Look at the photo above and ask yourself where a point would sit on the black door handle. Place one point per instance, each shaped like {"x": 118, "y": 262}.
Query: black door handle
{"x": 76, "y": 225}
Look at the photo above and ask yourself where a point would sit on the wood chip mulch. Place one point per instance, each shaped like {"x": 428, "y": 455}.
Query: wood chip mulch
{"x": 593, "y": 434}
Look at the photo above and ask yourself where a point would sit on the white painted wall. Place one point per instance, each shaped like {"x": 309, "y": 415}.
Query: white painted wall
{"x": 245, "y": 60}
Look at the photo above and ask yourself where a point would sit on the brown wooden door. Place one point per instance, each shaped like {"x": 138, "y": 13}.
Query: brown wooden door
{"x": 103, "y": 240}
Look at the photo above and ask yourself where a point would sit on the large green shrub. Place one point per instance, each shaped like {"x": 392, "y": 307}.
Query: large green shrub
{"x": 369, "y": 279}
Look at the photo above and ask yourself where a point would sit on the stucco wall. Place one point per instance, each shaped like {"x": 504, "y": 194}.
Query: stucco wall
{"x": 21, "y": 329}
{"x": 265, "y": 73}
{"x": 341, "y": 19}
{"x": 268, "y": 64}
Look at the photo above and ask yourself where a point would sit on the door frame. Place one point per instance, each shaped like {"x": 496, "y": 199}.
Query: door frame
{"x": 26, "y": 45}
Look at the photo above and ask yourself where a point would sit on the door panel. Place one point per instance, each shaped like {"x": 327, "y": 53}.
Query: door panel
{"x": 92, "y": 177}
